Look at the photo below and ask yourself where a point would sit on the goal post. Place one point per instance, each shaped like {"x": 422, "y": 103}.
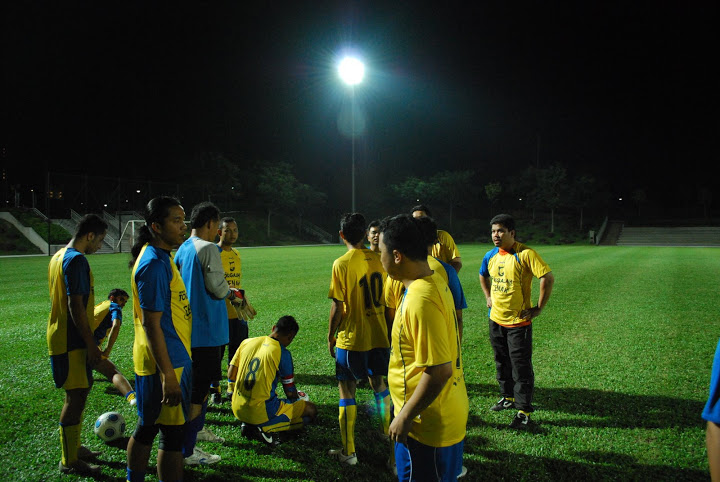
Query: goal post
{"x": 127, "y": 238}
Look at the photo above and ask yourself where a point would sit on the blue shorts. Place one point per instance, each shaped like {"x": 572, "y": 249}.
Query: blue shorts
{"x": 356, "y": 365}
{"x": 149, "y": 394}
{"x": 71, "y": 371}
{"x": 420, "y": 462}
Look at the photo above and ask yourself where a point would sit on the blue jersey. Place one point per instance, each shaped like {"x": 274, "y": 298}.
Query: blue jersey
{"x": 202, "y": 271}
{"x": 711, "y": 413}
{"x": 157, "y": 286}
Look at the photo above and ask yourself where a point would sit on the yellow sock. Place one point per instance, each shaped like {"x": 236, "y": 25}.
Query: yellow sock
{"x": 69, "y": 443}
{"x": 130, "y": 397}
{"x": 231, "y": 388}
{"x": 527, "y": 414}
{"x": 348, "y": 414}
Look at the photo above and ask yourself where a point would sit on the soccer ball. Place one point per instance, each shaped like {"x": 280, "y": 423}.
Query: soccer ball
{"x": 303, "y": 396}
{"x": 110, "y": 426}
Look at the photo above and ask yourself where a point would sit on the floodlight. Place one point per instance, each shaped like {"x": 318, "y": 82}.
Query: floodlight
{"x": 351, "y": 70}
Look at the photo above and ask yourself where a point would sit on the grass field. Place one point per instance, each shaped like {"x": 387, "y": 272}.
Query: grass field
{"x": 622, "y": 360}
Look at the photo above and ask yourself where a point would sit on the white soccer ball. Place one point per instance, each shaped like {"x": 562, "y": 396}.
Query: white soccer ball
{"x": 303, "y": 396}
{"x": 110, "y": 426}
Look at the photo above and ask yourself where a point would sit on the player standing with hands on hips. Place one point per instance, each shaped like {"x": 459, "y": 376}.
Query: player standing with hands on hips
{"x": 506, "y": 277}
{"x": 72, "y": 348}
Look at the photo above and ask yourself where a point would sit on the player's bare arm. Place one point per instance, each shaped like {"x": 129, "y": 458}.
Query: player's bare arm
{"x": 112, "y": 337}
{"x": 431, "y": 383}
{"x": 546, "y": 285}
{"x": 172, "y": 395}
{"x": 458, "y": 313}
{"x": 336, "y": 310}
{"x": 485, "y": 285}
{"x": 712, "y": 442}
{"x": 76, "y": 306}
{"x": 456, "y": 263}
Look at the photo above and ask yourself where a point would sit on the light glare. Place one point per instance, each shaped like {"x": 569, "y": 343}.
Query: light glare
{"x": 351, "y": 70}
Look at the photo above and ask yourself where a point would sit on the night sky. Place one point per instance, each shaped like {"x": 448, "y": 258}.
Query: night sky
{"x": 623, "y": 91}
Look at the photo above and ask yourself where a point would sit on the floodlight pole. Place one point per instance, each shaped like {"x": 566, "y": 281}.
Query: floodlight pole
{"x": 352, "y": 112}
{"x": 351, "y": 72}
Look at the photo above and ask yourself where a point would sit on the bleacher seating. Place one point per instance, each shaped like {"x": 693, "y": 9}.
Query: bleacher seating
{"x": 669, "y": 236}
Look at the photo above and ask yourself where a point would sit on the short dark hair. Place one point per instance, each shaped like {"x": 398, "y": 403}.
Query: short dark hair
{"x": 202, "y": 213}
{"x": 352, "y": 226}
{"x": 402, "y": 233}
{"x": 227, "y": 220}
{"x": 421, "y": 207}
{"x": 429, "y": 229}
{"x": 91, "y": 223}
{"x": 118, "y": 292}
{"x": 286, "y": 325}
{"x": 504, "y": 220}
{"x": 373, "y": 224}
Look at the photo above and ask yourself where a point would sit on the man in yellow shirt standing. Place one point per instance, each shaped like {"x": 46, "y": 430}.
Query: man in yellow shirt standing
{"x": 506, "y": 277}
{"x": 357, "y": 334}
{"x": 425, "y": 375}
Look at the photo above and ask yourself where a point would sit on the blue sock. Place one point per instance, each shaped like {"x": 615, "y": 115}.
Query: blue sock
{"x": 191, "y": 430}
{"x": 135, "y": 475}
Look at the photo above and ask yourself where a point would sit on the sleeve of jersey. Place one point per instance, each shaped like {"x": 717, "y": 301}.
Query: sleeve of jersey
{"x": 389, "y": 293}
{"x": 236, "y": 356}
{"x": 711, "y": 413}
{"x": 429, "y": 332}
{"x": 287, "y": 371}
{"x": 484, "y": 271}
{"x": 337, "y": 289}
{"x": 538, "y": 267}
{"x": 213, "y": 272}
{"x": 77, "y": 276}
{"x": 153, "y": 284}
{"x": 456, "y": 289}
{"x": 452, "y": 247}
{"x": 116, "y": 314}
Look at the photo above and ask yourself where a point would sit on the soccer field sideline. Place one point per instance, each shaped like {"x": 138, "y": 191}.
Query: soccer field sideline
{"x": 605, "y": 362}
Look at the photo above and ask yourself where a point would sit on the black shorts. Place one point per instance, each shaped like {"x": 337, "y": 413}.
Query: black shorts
{"x": 206, "y": 364}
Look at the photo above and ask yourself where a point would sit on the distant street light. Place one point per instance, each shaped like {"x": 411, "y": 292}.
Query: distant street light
{"x": 352, "y": 71}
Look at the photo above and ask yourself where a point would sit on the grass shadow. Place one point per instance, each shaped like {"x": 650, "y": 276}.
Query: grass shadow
{"x": 614, "y": 408}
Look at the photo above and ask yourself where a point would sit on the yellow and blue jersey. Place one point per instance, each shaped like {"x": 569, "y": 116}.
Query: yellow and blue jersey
{"x": 262, "y": 362}
{"x": 357, "y": 281}
{"x": 102, "y": 320}
{"x": 511, "y": 273}
{"x": 68, "y": 274}
{"x": 157, "y": 286}
{"x": 425, "y": 334}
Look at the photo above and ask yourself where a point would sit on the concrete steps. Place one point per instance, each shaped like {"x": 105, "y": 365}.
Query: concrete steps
{"x": 669, "y": 236}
